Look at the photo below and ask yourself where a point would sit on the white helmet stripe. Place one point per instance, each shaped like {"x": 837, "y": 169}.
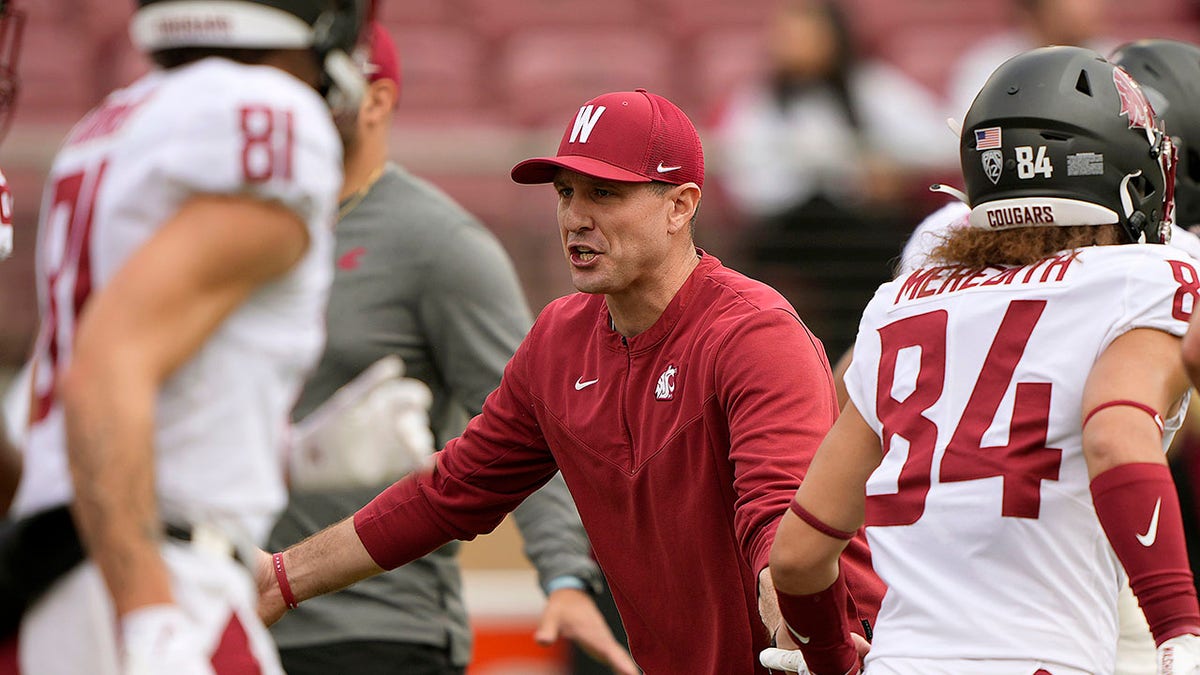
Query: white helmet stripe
{"x": 1004, "y": 214}
{"x": 217, "y": 23}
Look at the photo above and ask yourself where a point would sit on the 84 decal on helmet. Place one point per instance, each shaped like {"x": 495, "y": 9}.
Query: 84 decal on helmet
{"x": 1059, "y": 136}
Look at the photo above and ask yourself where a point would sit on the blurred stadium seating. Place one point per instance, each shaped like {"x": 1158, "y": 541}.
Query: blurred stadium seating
{"x": 489, "y": 82}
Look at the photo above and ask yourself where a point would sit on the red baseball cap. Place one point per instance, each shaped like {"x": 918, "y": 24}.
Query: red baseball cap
{"x": 630, "y": 136}
{"x": 383, "y": 61}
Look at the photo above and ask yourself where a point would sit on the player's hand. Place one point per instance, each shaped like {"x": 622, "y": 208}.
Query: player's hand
{"x": 161, "y": 639}
{"x": 785, "y": 660}
{"x": 270, "y": 601}
{"x": 1179, "y": 656}
{"x": 572, "y": 613}
{"x": 373, "y": 430}
{"x": 790, "y": 660}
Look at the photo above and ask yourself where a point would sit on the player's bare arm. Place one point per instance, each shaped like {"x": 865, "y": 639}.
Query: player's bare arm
{"x": 1124, "y": 401}
{"x": 1191, "y": 349}
{"x": 810, "y": 585}
{"x": 330, "y": 559}
{"x": 152, "y": 317}
{"x": 846, "y": 458}
{"x": 1131, "y": 368}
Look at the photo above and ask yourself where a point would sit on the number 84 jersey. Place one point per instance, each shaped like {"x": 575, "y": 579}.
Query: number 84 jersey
{"x": 213, "y": 127}
{"x": 980, "y": 518}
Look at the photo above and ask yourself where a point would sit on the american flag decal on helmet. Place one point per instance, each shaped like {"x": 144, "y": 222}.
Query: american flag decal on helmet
{"x": 987, "y": 139}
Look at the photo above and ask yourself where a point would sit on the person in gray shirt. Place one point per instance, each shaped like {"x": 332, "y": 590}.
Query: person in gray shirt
{"x": 419, "y": 277}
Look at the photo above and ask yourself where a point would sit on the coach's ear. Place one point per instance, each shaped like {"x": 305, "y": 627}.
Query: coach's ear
{"x": 379, "y": 102}
{"x": 685, "y": 200}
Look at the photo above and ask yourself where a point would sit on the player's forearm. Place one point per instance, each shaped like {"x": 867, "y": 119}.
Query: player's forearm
{"x": 110, "y": 449}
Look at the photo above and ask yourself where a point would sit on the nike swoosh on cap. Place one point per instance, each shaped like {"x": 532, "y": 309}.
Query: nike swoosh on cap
{"x": 666, "y": 169}
{"x": 580, "y": 384}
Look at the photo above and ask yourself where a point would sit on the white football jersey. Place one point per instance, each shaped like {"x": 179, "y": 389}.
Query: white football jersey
{"x": 980, "y": 517}
{"x": 212, "y": 127}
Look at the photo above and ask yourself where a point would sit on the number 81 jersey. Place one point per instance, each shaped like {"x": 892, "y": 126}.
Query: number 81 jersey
{"x": 980, "y": 518}
{"x": 213, "y": 127}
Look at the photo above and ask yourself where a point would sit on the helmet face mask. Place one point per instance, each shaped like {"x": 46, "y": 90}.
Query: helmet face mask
{"x": 328, "y": 27}
{"x": 1060, "y": 137}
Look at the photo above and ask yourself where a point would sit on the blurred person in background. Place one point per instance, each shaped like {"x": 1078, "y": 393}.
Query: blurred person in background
{"x": 1037, "y": 23}
{"x": 182, "y": 267}
{"x": 822, "y": 158}
{"x": 419, "y": 277}
{"x": 680, "y": 400}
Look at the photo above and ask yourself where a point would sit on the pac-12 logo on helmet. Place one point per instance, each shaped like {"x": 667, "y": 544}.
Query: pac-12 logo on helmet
{"x": 993, "y": 164}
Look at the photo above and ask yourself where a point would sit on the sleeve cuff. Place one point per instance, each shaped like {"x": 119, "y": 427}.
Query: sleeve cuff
{"x": 567, "y": 581}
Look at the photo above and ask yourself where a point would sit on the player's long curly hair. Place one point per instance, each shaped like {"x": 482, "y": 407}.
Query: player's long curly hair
{"x": 976, "y": 248}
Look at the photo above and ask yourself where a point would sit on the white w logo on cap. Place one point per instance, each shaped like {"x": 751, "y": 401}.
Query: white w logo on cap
{"x": 584, "y": 121}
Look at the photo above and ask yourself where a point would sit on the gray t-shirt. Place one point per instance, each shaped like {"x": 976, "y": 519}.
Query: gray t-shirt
{"x": 419, "y": 277}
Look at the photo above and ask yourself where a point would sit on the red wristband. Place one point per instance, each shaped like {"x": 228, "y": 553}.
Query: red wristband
{"x": 285, "y": 588}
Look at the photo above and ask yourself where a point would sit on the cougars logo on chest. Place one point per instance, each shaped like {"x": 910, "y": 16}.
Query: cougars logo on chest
{"x": 665, "y": 389}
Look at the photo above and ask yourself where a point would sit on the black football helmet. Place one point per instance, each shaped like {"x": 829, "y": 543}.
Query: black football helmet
{"x": 1060, "y": 136}
{"x": 1169, "y": 74}
{"x": 329, "y": 27}
{"x": 12, "y": 24}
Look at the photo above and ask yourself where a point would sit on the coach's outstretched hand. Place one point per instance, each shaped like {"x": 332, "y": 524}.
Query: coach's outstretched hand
{"x": 573, "y": 614}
